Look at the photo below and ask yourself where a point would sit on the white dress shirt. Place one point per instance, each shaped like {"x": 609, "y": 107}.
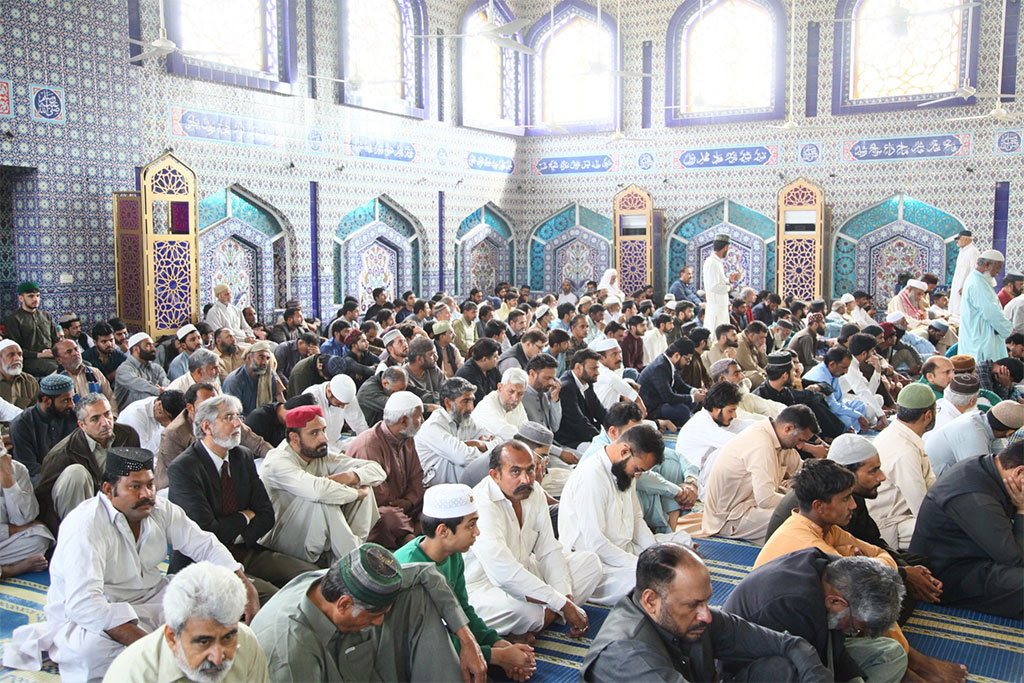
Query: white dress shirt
{"x": 229, "y": 316}
{"x": 286, "y": 476}
{"x": 945, "y": 412}
{"x": 655, "y": 344}
{"x": 490, "y": 413}
{"x": 336, "y": 417}
{"x": 441, "y": 448}
{"x": 139, "y": 416}
{"x": 854, "y": 383}
{"x": 716, "y": 289}
{"x": 610, "y": 386}
{"x": 703, "y": 438}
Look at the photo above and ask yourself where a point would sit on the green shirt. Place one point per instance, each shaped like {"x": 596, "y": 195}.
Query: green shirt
{"x": 453, "y": 570}
{"x": 935, "y": 389}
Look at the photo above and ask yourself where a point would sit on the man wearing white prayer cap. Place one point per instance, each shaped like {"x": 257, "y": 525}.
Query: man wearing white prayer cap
{"x": 611, "y": 387}
{"x": 983, "y": 325}
{"x": 139, "y": 377}
{"x": 912, "y": 302}
{"x": 224, "y": 313}
{"x": 189, "y": 340}
{"x": 395, "y": 348}
{"x": 337, "y": 399}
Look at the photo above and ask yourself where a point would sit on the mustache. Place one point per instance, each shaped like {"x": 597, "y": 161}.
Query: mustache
{"x": 144, "y": 501}
{"x": 523, "y": 489}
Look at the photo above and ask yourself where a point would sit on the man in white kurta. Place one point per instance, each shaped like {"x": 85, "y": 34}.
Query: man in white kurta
{"x": 517, "y": 573}
{"x": 966, "y": 261}
{"x": 223, "y": 313}
{"x": 23, "y": 540}
{"x": 450, "y": 438}
{"x": 148, "y": 418}
{"x": 597, "y": 516}
{"x": 337, "y": 399}
{"x": 983, "y": 325}
{"x": 703, "y": 437}
{"x": 854, "y": 383}
{"x": 502, "y": 411}
{"x": 716, "y": 285}
{"x": 323, "y": 502}
{"x": 611, "y": 387}
{"x": 103, "y": 577}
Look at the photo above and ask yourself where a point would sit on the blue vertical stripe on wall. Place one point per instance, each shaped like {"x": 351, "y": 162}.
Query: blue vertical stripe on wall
{"x": 314, "y": 240}
{"x": 310, "y": 55}
{"x": 645, "y": 100}
{"x": 999, "y": 223}
{"x": 1011, "y": 36}
{"x": 813, "y": 49}
{"x": 440, "y": 241}
{"x": 138, "y": 179}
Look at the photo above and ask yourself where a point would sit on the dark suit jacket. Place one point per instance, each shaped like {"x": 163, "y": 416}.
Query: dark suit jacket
{"x": 763, "y": 313}
{"x": 74, "y": 450}
{"x": 660, "y": 383}
{"x": 582, "y": 414}
{"x": 485, "y": 382}
{"x": 195, "y": 486}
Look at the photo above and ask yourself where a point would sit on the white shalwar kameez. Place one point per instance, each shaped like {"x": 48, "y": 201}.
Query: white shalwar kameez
{"x": 703, "y": 438}
{"x": 336, "y": 417}
{"x": 716, "y": 290}
{"x": 966, "y": 261}
{"x": 595, "y": 516}
{"x": 19, "y": 506}
{"x": 441, "y": 445}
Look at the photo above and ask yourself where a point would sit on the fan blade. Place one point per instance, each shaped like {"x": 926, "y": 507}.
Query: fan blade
{"x": 140, "y": 43}
{"x": 146, "y": 55}
{"x": 969, "y": 118}
{"x": 512, "y": 27}
{"x": 510, "y": 44}
{"x": 995, "y": 94}
{"x": 203, "y": 54}
{"x": 629, "y": 74}
{"x": 941, "y": 99}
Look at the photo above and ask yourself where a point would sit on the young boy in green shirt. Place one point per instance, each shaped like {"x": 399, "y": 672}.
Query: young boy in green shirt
{"x": 449, "y": 522}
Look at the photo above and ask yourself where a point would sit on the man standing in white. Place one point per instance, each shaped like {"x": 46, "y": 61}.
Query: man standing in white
{"x": 716, "y": 284}
{"x": 965, "y": 263}
{"x": 600, "y": 512}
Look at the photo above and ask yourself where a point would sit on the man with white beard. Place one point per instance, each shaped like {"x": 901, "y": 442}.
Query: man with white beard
{"x": 450, "y": 438}
{"x": 18, "y": 390}
{"x": 202, "y": 639}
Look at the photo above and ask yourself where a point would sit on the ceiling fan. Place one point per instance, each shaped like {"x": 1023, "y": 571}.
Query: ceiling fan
{"x": 162, "y": 46}
{"x": 491, "y": 31}
{"x": 355, "y": 82}
{"x": 619, "y": 136}
{"x": 790, "y": 123}
{"x": 553, "y": 126}
{"x": 600, "y": 68}
{"x": 998, "y": 114}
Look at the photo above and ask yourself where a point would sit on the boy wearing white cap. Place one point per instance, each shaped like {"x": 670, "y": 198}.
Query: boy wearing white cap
{"x": 450, "y": 527}
{"x": 189, "y": 340}
{"x": 139, "y": 377}
{"x": 337, "y": 399}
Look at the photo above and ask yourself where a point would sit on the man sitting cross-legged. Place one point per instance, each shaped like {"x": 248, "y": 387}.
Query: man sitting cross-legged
{"x": 600, "y": 512}
{"x": 665, "y": 630}
{"x": 27, "y": 540}
{"x": 450, "y": 528}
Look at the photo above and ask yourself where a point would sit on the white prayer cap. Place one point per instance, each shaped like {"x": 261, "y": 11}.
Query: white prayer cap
{"x": 343, "y": 388}
{"x": 138, "y": 337}
{"x": 185, "y": 331}
{"x": 917, "y": 284}
{"x": 894, "y": 317}
{"x": 391, "y": 336}
{"x": 8, "y": 342}
{"x": 670, "y": 297}
{"x": 541, "y": 311}
{"x": 847, "y": 298}
{"x": 850, "y": 449}
{"x": 612, "y": 301}
{"x": 992, "y": 255}
{"x": 448, "y": 501}
{"x": 602, "y": 344}
{"x": 401, "y": 402}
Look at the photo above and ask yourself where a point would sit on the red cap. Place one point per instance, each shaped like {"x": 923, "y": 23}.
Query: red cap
{"x": 352, "y": 336}
{"x": 297, "y": 418}
{"x": 888, "y": 329}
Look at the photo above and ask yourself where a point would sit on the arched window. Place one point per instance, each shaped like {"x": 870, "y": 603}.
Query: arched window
{"x": 570, "y": 87}
{"x": 490, "y": 86}
{"x": 382, "y": 60}
{"x": 242, "y": 42}
{"x": 726, "y": 61}
{"x": 896, "y": 56}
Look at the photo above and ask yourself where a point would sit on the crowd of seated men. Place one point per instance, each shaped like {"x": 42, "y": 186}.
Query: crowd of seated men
{"x": 416, "y": 488}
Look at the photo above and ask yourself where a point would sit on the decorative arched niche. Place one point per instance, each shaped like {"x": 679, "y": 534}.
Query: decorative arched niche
{"x": 753, "y": 243}
{"x": 377, "y": 245}
{"x": 243, "y": 243}
{"x": 898, "y": 235}
{"x": 484, "y": 250}
{"x": 573, "y": 244}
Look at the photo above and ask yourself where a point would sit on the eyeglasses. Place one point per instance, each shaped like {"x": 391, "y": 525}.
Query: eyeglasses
{"x": 230, "y": 417}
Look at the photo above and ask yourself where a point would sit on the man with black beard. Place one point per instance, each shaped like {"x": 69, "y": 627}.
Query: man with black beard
{"x": 858, "y": 455}
{"x": 323, "y": 503}
{"x": 139, "y": 377}
{"x": 600, "y": 511}
{"x": 778, "y": 386}
{"x": 725, "y": 345}
{"x": 665, "y": 630}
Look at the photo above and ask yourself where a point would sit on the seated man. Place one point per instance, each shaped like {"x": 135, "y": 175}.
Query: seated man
{"x": 107, "y": 587}
{"x": 521, "y": 587}
{"x": 180, "y": 433}
{"x": 27, "y": 541}
{"x": 255, "y": 383}
{"x": 904, "y": 462}
{"x": 291, "y": 352}
{"x": 225, "y": 314}
{"x": 450, "y": 528}
{"x": 396, "y": 346}
{"x": 751, "y": 406}
{"x": 73, "y": 469}
{"x": 374, "y": 392}
{"x": 972, "y": 434}
{"x": 216, "y": 484}
{"x": 611, "y": 385}
{"x": 519, "y": 354}
{"x": 970, "y": 526}
{"x": 202, "y": 368}
{"x": 502, "y": 411}
{"x": 17, "y": 387}
{"x": 542, "y": 402}
{"x": 368, "y": 618}
{"x": 663, "y": 390}
{"x": 664, "y": 629}
{"x": 450, "y": 439}
{"x": 337, "y": 399}
{"x": 582, "y": 411}
{"x": 202, "y": 637}
{"x": 744, "y": 484}
{"x": 359, "y": 362}
{"x": 665, "y": 490}
{"x": 140, "y": 376}
{"x": 230, "y": 355}
{"x": 855, "y": 384}
{"x": 323, "y": 506}
{"x": 783, "y": 367}
{"x": 87, "y": 379}
{"x": 150, "y": 416}
{"x": 822, "y": 598}
{"x": 103, "y": 355}
{"x": 959, "y": 398}
{"x": 599, "y": 510}
{"x": 38, "y": 429}
{"x": 189, "y": 341}
{"x": 712, "y": 428}
{"x": 481, "y": 367}
{"x": 750, "y": 353}
{"x": 851, "y": 411}
{"x": 390, "y": 444}
{"x": 424, "y": 377}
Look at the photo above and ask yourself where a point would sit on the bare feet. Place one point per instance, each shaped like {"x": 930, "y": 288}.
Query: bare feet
{"x": 527, "y": 638}
{"x": 936, "y": 670}
{"x": 36, "y": 563}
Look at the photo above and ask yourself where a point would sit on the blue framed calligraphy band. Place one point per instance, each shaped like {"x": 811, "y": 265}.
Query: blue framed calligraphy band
{"x": 725, "y": 157}
{"x": 211, "y": 126}
{"x": 907, "y": 148}
{"x": 490, "y": 163}
{"x": 382, "y": 149}
{"x": 576, "y": 165}
{"x": 1009, "y": 142}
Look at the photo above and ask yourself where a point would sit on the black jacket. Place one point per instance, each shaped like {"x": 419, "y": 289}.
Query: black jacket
{"x": 582, "y": 414}
{"x": 485, "y": 382}
{"x": 195, "y": 487}
{"x": 660, "y": 383}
